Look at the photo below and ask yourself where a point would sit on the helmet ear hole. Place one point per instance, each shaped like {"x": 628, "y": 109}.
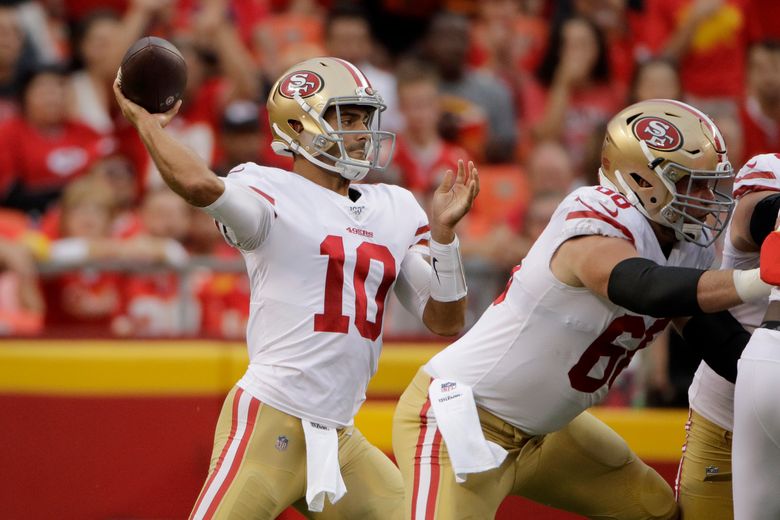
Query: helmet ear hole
{"x": 641, "y": 181}
{"x": 296, "y": 125}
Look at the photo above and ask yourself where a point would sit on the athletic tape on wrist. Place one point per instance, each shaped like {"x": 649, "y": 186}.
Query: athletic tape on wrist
{"x": 749, "y": 286}
{"x": 448, "y": 281}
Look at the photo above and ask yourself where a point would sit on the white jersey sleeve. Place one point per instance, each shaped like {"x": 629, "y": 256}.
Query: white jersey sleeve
{"x": 413, "y": 286}
{"x": 245, "y": 212}
{"x": 598, "y": 211}
{"x": 761, "y": 173}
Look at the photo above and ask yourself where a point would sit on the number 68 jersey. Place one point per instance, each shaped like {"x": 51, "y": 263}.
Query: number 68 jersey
{"x": 544, "y": 351}
{"x": 320, "y": 266}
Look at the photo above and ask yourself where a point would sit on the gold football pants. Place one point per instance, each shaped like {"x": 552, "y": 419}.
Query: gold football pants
{"x": 704, "y": 478}
{"x": 258, "y": 468}
{"x": 585, "y": 468}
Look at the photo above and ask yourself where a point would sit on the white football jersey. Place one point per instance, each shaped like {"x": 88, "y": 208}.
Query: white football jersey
{"x": 320, "y": 267}
{"x": 711, "y": 395}
{"x": 545, "y": 351}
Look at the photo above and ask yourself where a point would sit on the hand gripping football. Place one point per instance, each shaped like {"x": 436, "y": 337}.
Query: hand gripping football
{"x": 153, "y": 74}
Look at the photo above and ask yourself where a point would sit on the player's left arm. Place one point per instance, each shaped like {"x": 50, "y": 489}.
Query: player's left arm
{"x": 434, "y": 289}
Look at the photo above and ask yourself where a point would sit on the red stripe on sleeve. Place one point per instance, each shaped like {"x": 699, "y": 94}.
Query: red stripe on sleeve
{"x": 264, "y": 195}
{"x": 755, "y": 175}
{"x": 422, "y": 229}
{"x": 599, "y": 216}
{"x": 744, "y": 190}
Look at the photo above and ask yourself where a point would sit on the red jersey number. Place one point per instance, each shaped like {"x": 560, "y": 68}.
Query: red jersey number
{"x": 618, "y": 356}
{"x": 332, "y": 319}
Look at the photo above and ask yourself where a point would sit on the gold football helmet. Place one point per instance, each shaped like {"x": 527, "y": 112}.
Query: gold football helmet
{"x": 668, "y": 159}
{"x": 304, "y": 93}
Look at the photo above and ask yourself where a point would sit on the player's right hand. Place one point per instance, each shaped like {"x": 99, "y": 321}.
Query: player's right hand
{"x": 136, "y": 113}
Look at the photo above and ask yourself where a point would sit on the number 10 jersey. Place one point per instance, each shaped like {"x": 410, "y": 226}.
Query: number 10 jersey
{"x": 320, "y": 266}
{"x": 545, "y": 351}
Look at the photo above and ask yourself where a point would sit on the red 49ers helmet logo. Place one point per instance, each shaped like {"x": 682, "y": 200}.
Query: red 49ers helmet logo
{"x": 658, "y": 133}
{"x": 302, "y": 82}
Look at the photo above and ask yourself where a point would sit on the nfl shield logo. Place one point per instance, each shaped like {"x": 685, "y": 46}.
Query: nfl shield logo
{"x": 446, "y": 387}
{"x": 281, "y": 443}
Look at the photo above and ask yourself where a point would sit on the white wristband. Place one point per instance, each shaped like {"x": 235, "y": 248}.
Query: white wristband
{"x": 448, "y": 282}
{"x": 749, "y": 286}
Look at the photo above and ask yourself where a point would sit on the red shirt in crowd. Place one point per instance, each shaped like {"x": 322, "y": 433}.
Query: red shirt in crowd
{"x": 82, "y": 302}
{"x": 47, "y": 160}
{"x": 714, "y": 65}
{"x": 589, "y": 109}
{"x": 760, "y": 134}
{"x": 423, "y": 172}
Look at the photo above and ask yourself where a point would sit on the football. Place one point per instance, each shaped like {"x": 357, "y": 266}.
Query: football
{"x": 153, "y": 74}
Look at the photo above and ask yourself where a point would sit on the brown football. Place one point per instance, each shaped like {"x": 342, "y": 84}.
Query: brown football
{"x": 154, "y": 74}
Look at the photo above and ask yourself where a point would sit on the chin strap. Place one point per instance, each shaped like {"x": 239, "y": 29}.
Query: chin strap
{"x": 352, "y": 172}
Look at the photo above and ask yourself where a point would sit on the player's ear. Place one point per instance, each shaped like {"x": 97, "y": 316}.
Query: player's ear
{"x": 295, "y": 125}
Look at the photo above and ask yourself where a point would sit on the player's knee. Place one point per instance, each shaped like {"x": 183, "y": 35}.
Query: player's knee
{"x": 656, "y": 497}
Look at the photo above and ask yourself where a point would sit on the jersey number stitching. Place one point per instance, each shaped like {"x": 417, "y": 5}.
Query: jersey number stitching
{"x": 332, "y": 319}
{"x": 619, "y": 357}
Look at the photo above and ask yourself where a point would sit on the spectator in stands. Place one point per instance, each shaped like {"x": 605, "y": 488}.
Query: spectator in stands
{"x": 102, "y": 37}
{"x": 655, "y": 78}
{"x": 117, "y": 172}
{"x": 221, "y": 291}
{"x": 84, "y": 300}
{"x": 708, "y": 39}
{"x": 508, "y": 37}
{"x": 620, "y": 22}
{"x": 153, "y": 303}
{"x": 551, "y": 176}
{"x": 760, "y": 112}
{"x": 348, "y": 36}
{"x": 21, "y": 302}
{"x": 240, "y": 136}
{"x": 446, "y": 46}
{"x": 42, "y": 149}
{"x": 573, "y": 94}
{"x": 421, "y": 156}
{"x": 11, "y": 43}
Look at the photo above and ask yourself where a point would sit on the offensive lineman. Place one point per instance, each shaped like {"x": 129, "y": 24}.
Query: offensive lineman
{"x": 614, "y": 265}
{"x": 322, "y": 255}
{"x": 756, "y": 449}
{"x": 704, "y": 480}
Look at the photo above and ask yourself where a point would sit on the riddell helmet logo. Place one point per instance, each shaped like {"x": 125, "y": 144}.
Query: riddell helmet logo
{"x": 303, "y": 82}
{"x": 658, "y": 133}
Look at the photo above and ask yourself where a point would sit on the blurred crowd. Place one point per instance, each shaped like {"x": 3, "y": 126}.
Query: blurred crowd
{"x": 93, "y": 243}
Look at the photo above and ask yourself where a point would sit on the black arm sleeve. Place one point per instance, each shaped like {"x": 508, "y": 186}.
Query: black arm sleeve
{"x": 642, "y": 286}
{"x": 719, "y": 339}
{"x": 762, "y": 221}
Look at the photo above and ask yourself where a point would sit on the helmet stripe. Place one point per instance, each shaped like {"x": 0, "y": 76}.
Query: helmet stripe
{"x": 358, "y": 76}
{"x": 695, "y": 111}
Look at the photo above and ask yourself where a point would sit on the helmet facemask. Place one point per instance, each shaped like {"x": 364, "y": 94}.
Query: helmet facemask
{"x": 688, "y": 215}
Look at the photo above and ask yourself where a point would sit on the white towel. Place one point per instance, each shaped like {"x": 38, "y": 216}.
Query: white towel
{"x": 323, "y": 473}
{"x": 456, "y": 416}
